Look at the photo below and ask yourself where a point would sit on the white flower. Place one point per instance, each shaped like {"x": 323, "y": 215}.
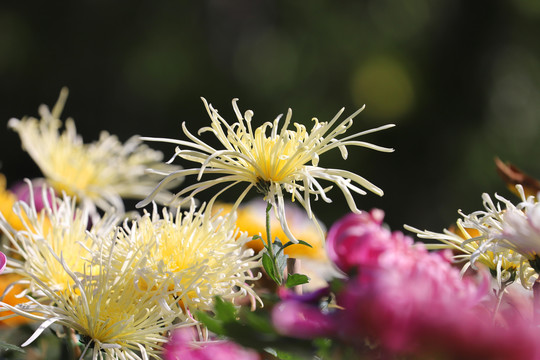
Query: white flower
{"x": 97, "y": 174}
{"x": 503, "y": 236}
{"x": 271, "y": 160}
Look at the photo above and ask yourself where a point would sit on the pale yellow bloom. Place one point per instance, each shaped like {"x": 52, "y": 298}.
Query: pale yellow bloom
{"x": 60, "y": 229}
{"x": 193, "y": 255}
{"x": 99, "y": 173}
{"x": 271, "y": 160}
{"x": 114, "y": 316}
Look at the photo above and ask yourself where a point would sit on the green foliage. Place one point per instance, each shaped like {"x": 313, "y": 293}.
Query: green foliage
{"x": 4, "y": 346}
{"x": 296, "y": 279}
{"x": 254, "y": 329}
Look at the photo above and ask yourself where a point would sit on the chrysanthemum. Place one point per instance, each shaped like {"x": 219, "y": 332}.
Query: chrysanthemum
{"x": 115, "y": 318}
{"x": 505, "y": 264}
{"x": 60, "y": 229}
{"x": 98, "y": 173}
{"x": 271, "y": 160}
{"x": 193, "y": 255}
{"x": 493, "y": 237}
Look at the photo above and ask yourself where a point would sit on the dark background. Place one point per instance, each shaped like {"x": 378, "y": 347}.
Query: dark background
{"x": 460, "y": 78}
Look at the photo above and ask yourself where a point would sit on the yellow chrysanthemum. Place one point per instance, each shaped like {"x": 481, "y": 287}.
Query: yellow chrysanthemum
{"x": 114, "y": 316}
{"x": 60, "y": 229}
{"x": 193, "y": 255}
{"x": 283, "y": 160}
{"x": 100, "y": 173}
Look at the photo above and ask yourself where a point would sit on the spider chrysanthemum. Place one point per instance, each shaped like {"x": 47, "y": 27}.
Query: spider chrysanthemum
{"x": 193, "y": 255}
{"x": 500, "y": 236}
{"x": 272, "y": 159}
{"x": 99, "y": 173}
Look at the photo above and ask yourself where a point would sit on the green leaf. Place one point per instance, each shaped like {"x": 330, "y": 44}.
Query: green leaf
{"x": 289, "y": 243}
{"x": 260, "y": 323}
{"x": 225, "y": 311}
{"x": 6, "y": 346}
{"x": 296, "y": 279}
{"x": 211, "y": 323}
{"x": 270, "y": 268}
{"x": 281, "y": 263}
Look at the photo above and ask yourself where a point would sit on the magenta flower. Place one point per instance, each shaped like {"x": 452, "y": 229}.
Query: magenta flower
{"x": 360, "y": 240}
{"x": 183, "y": 346}
{"x": 302, "y": 320}
{"x": 22, "y": 190}
{"x": 3, "y": 261}
{"x": 413, "y": 302}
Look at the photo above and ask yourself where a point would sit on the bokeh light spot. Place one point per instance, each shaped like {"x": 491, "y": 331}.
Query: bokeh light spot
{"x": 385, "y": 86}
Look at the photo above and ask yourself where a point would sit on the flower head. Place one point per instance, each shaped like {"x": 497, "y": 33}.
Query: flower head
{"x": 271, "y": 159}
{"x": 183, "y": 346}
{"x": 115, "y": 318}
{"x": 500, "y": 237}
{"x": 59, "y": 229}
{"x": 192, "y": 255}
{"x": 99, "y": 173}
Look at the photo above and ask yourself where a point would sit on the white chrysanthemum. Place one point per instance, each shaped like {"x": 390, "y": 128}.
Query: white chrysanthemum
{"x": 115, "y": 318}
{"x": 60, "y": 228}
{"x": 500, "y": 238}
{"x": 284, "y": 160}
{"x": 193, "y": 255}
{"x": 505, "y": 264}
{"x": 99, "y": 173}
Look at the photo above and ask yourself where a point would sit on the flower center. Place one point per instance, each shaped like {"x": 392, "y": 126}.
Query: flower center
{"x": 75, "y": 171}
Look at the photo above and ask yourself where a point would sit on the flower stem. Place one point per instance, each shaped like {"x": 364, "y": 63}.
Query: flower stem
{"x": 270, "y": 248}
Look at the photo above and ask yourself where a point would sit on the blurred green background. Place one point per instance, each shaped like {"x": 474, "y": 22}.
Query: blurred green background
{"x": 460, "y": 78}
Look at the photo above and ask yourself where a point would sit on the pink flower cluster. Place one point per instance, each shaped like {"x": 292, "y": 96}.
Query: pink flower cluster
{"x": 406, "y": 300}
{"x": 183, "y": 345}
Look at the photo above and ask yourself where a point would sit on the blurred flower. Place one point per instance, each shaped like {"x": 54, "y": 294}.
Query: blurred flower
{"x": 271, "y": 163}
{"x": 34, "y": 194}
{"x": 302, "y": 320}
{"x": 114, "y": 317}
{"x": 3, "y": 261}
{"x": 183, "y": 346}
{"x": 7, "y": 200}
{"x": 406, "y": 301}
{"x": 192, "y": 255}
{"x": 10, "y": 287}
{"x": 521, "y": 231}
{"x": 98, "y": 174}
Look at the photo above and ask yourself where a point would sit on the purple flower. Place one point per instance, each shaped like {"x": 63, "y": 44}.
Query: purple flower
{"x": 302, "y": 320}
{"x": 183, "y": 346}
{"x": 39, "y": 188}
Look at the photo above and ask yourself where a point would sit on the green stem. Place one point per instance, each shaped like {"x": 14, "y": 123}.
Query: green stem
{"x": 268, "y": 235}
{"x": 268, "y": 244}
